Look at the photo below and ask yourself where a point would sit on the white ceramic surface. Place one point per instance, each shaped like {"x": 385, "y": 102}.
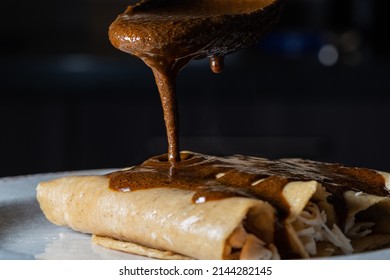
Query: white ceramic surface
{"x": 26, "y": 234}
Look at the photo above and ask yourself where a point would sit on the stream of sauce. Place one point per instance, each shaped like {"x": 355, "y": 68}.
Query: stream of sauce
{"x": 166, "y": 35}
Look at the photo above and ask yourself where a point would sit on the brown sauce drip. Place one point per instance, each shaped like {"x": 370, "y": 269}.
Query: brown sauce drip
{"x": 212, "y": 178}
{"x": 217, "y": 64}
{"x": 166, "y": 35}
{"x": 166, "y": 86}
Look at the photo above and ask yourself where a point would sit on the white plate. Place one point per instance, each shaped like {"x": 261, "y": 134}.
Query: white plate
{"x": 26, "y": 234}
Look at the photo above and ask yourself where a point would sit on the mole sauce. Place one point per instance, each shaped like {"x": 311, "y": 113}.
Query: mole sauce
{"x": 166, "y": 35}
{"x": 212, "y": 177}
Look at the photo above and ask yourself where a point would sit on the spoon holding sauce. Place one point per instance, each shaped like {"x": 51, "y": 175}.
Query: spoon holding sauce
{"x": 167, "y": 34}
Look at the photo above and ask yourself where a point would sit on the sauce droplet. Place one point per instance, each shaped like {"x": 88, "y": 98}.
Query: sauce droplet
{"x": 217, "y": 64}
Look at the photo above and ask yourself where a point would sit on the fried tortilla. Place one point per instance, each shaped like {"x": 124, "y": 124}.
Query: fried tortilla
{"x": 238, "y": 207}
{"x": 162, "y": 219}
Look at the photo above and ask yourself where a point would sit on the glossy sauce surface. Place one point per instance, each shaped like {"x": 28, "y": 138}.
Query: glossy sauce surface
{"x": 212, "y": 177}
{"x": 166, "y": 35}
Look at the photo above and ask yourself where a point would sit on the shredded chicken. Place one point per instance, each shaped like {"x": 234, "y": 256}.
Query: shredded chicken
{"x": 254, "y": 249}
{"x": 248, "y": 247}
{"x": 361, "y": 229}
{"x": 311, "y": 227}
{"x": 238, "y": 237}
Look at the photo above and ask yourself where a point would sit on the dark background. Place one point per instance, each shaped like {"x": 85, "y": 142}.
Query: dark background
{"x": 317, "y": 87}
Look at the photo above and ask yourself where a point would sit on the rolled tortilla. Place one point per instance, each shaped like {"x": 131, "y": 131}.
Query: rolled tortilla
{"x": 319, "y": 209}
{"x": 311, "y": 226}
{"x": 314, "y": 230}
{"x": 161, "y": 218}
{"x": 367, "y": 221}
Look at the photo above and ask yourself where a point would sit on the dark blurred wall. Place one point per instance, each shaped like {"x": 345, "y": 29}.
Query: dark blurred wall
{"x": 316, "y": 87}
